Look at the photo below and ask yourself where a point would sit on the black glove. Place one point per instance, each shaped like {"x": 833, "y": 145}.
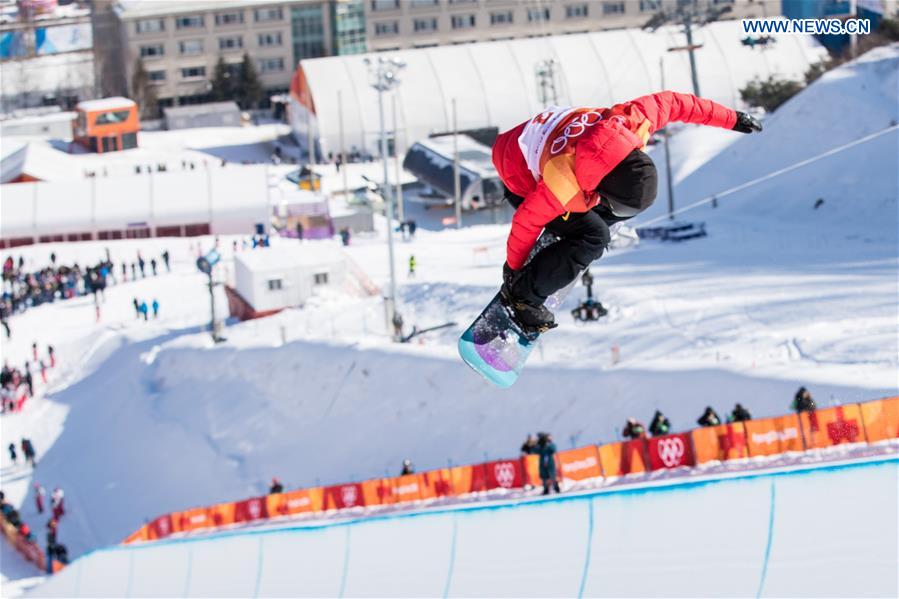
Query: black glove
{"x": 508, "y": 276}
{"x": 746, "y": 123}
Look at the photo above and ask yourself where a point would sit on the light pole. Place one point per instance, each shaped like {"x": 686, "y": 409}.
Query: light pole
{"x": 384, "y": 74}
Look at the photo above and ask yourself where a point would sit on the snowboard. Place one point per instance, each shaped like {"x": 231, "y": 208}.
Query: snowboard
{"x": 494, "y": 346}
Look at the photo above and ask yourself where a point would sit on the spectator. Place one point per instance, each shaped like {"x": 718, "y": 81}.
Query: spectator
{"x": 3, "y": 320}
{"x": 547, "y": 451}
{"x": 52, "y": 527}
{"x": 43, "y": 371}
{"x": 529, "y": 447}
{"x": 803, "y": 402}
{"x": 57, "y": 501}
{"x": 34, "y": 350}
{"x": 345, "y": 236}
{"x": 28, "y": 451}
{"x": 634, "y": 429}
{"x": 133, "y": 271}
{"x": 709, "y": 418}
{"x": 740, "y": 414}
{"x": 144, "y": 310}
{"x": 299, "y": 228}
{"x": 141, "y": 263}
{"x": 62, "y": 554}
{"x": 12, "y": 453}
{"x": 25, "y": 531}
{"x": 136, "y": 308}
{"x": 29, "y": 380}
{"x": 412, "y": 266}
{"x": 40, "y": 494}
{"x": 408, "y": 468}
{"x": 124, "y": 272}
{"x": 155, "y": 308}
{"x": 52, "y": 356}
{"x": 659, "y": 425}
{"x": 153, "y": 266}
{"x": 276, "y": 487}
{"x": 165, "y": 259}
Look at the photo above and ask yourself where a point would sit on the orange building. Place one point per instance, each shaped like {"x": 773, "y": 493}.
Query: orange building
{"x": 106, "y": 125}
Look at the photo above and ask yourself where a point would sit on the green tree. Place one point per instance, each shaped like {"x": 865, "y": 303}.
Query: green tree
{"x": 143, "y": 92}
{"x": 223, "y": 84}
{"x": 249, "y": 91}
{"x": 770, "y": 93}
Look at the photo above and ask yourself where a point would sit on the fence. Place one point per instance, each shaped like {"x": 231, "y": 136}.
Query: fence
{"x": 869, "y": 422}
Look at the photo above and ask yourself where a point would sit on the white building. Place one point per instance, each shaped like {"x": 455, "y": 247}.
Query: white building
{"x": 496, "y": 85}
{"x": 270, "y": 279}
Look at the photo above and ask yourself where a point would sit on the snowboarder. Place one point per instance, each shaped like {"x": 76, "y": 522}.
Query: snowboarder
{"x": 39, "y": 495}
{"x": 546, "y": 449}
{"x": 12, "y": 453}
{"x": 576, "y": 172}
{"x": 28, "y": 451}
{"x": 740, "y": 414}
{"x": 634, "y": 429}
{"x": 659, "y": 425}
{"x": 709, "y": 418}
{"x": 155, "y": 306}
{"x": 57, "y": 501}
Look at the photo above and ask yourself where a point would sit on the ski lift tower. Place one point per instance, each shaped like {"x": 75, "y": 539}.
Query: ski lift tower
{"x": 546, "y": 81}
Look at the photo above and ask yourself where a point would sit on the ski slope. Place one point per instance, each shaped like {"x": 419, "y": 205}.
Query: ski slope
{"x": 142, "y": 419}
{"x": 792, "y": 533}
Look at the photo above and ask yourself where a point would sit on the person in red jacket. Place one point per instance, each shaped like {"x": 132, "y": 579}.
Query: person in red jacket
{"x": 575, "y": 172}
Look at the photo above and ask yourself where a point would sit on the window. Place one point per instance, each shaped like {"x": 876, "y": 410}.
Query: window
{"x": 154, "y": 51}
{"x": 193, "y": 72}
{"x": 107, "y": 118}
{"x": 235, "y": 42}
{"x": 422, "y": 3}
{"x": 229, "y": 18}
{"x": 424, "y": 25}
{"x": 189, "y": 22}
{"x": 649, "y": 5}
{"x": 149, "y": 26}
{"x": 321, "y": 278}
{"x": 308, "y": 29}
{"x": 387, "y": 28}
{"x": 191, "y": 47}
{"x": 272, "y": 38}
{"x": 463, "y": 21}
{"x": 501, "y": 18}
{"x": 271, "y": 13}
{"x": 271, "y": 65}
{"x": 613, "y": 8}
{"x": 129, "y": 140}
{"x": 275, "y": 285}
{"x": 377, "y": 5}
{"x": 461, "y": 1}
{"x": 538, "y": 15}
{"x": 576, "y": 11}
{"x": 349, "y": 26}
{"x": 156, "y": 76}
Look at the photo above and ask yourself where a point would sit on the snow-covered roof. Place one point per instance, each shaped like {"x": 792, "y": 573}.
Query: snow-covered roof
{"x": 473, "y": 155}
{"x": 494, "y": 84}
{"x": 114, "y": 103}
{"x": 39, "y": 160}
{"x": 137, "y": 9}
{"x": 286, "y": 257}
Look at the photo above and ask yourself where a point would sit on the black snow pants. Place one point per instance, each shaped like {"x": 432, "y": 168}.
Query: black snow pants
{"x": 584, "y": 237}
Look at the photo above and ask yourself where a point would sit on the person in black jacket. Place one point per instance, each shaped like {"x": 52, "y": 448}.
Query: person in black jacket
{"x": 709, "y": 417}
{"x": 634, "y": 429}
{"x": 659, "y": 425}
{"x": 276, "y": 487}
{"x": 408, "y": 468}
{"x": 740, "y": 414}
{"x": 547, "y": 451}
{"x": 529, "y": 446}
{"x": 803, "y": 402}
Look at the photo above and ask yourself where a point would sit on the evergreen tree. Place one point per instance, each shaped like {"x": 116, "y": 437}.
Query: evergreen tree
{"x": 249, "y": 91}
{"x": 223, "y": 84}
{"x": 770, "y": 93}
{"x": 143, "y": 92}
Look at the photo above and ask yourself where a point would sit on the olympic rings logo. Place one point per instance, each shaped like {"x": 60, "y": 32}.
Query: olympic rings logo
{"x": 574, "y": 129}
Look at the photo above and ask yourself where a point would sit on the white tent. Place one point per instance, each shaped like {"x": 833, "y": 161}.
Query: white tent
{"x": 495, "y": 83}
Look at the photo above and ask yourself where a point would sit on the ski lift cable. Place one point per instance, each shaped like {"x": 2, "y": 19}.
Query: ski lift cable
{"x": 771, "y": 175}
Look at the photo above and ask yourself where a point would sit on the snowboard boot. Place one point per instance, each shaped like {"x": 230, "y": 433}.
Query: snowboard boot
{"x": 533, "y": 319}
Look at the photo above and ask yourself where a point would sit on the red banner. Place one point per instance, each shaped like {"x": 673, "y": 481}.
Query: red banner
{"x": 341, "y": 497}
{"x": 670, "y": 451}
{"x": 249, "y": 510}
{"x": 504, "y": 474}
{"x": 161, "y": 527}
{"x": 469, "y": 479}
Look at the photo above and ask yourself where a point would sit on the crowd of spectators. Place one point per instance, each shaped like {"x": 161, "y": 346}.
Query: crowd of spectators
{"x": 12, "y": 517}
{"x": 17, "y": 385}
{"x": 660, "y": 425}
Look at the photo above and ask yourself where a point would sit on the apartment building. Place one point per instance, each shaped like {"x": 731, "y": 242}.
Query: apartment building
{"x": 395, "y": 24}
{"x": 180, "y": 42}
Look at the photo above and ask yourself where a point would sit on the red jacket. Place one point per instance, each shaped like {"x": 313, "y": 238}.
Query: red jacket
{"x": 556, "y": 159}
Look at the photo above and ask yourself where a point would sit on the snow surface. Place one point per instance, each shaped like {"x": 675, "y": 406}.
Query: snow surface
{"x": 141, "y": 418}
{"x": 740, "y": 537}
